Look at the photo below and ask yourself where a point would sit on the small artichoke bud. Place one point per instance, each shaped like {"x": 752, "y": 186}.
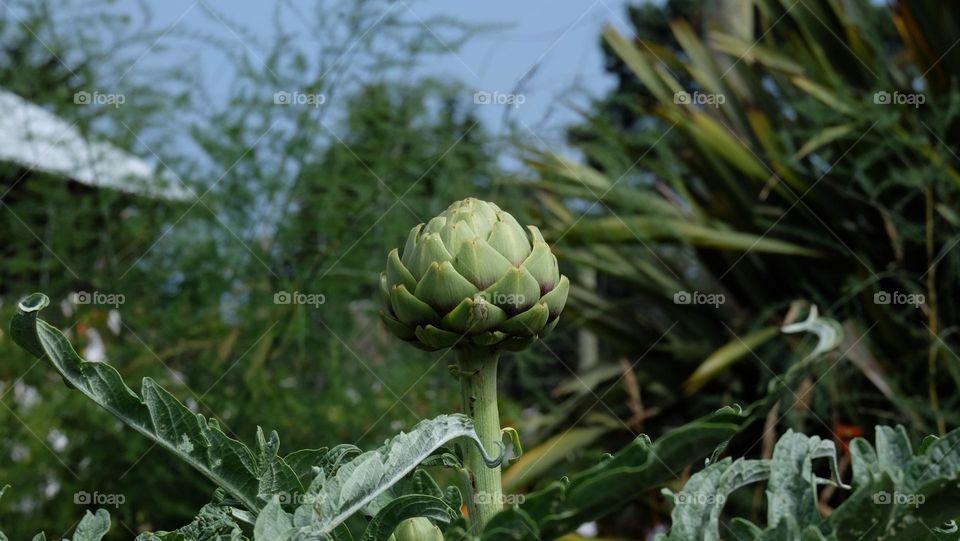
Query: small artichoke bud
{"x": 472, "y": 277}
{"x": 416, "y": 529}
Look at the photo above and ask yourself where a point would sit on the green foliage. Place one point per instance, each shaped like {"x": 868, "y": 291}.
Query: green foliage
{"x": 252, "y": 476}
{"x": 799, "y": 185}
{"x": 410, "y": 512}
{"x": 356, "y": 484}
{"x": 895, "y": 494}
{"x": 91, "y": 527}
{"x": 891, "y": 489}
{"x": 617, "y": 481}
{"x": 798, "y": 189}
{"x": 213, "y": 521}
{"x": 63, "y": 237}
{"x": 258, "y": 479}
{"x": 280, "y": 194}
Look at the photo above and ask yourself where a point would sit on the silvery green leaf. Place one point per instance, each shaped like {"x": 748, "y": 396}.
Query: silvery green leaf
{"x": 562, "y": 506}
{"x": 92, "y": 527}
{"x": 251, "y": 477}
{"x": 406, "y": 507}
{"x": 213, "y": 522}
{"x": 828, "y": 332}
{"x": 895, "y": 494}
{"x": 697, "y": 507}
{"x": 792, "y": 490}
{"x": 360, "y": 481}
{"x": 273, "y": 523}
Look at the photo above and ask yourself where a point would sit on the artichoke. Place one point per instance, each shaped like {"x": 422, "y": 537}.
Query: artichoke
{"x": 416, "y": 529}
{"x": 472, "y": 277}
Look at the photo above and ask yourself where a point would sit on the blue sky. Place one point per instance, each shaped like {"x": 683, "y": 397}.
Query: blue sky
{"x": 556, "y": 45}
{"x": 552, "y": 46}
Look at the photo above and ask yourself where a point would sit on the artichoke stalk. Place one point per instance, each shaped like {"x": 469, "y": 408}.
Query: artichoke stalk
{"x": 473, "y": 279}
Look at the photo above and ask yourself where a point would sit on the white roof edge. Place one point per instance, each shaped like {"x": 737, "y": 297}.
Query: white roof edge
{"x": 35, "y": 138}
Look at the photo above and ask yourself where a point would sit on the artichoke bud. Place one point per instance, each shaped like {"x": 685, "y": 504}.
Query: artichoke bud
{"x": 417, "y": 529}
{"x": 472, "y": 277}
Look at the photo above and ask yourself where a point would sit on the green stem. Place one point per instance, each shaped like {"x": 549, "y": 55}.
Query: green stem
{"x": 478, "y": 386}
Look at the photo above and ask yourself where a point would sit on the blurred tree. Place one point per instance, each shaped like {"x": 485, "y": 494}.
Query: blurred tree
{"x": 811, "y": 178}
{"x": 279, "y": 193}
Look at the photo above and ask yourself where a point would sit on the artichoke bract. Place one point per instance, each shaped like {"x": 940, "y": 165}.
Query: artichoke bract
{"x": 472, "y": 277}
{"x": 416, "y": 529}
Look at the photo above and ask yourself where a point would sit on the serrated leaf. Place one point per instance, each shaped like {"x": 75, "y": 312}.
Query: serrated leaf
{"x": 338, "y": 456}
{"x": 273, "y": 523}
{"x": 893, "y": 451}
{"x": 213, "y": 522}
{"x": 403, "y": 508}
{"x": 792, "y": 490}
{"x": 562, "y": 506}
{"x": 251, "y": 478}
{"x": 743, "y": 530}
{"x": 898, "y": 496}
{"x": 359, "y": 482}
{"x": 828, "y": 331}
{"x": 92, "y": 527}
{"x": 444, "y": 459}
{"x": 303, "y": 461}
